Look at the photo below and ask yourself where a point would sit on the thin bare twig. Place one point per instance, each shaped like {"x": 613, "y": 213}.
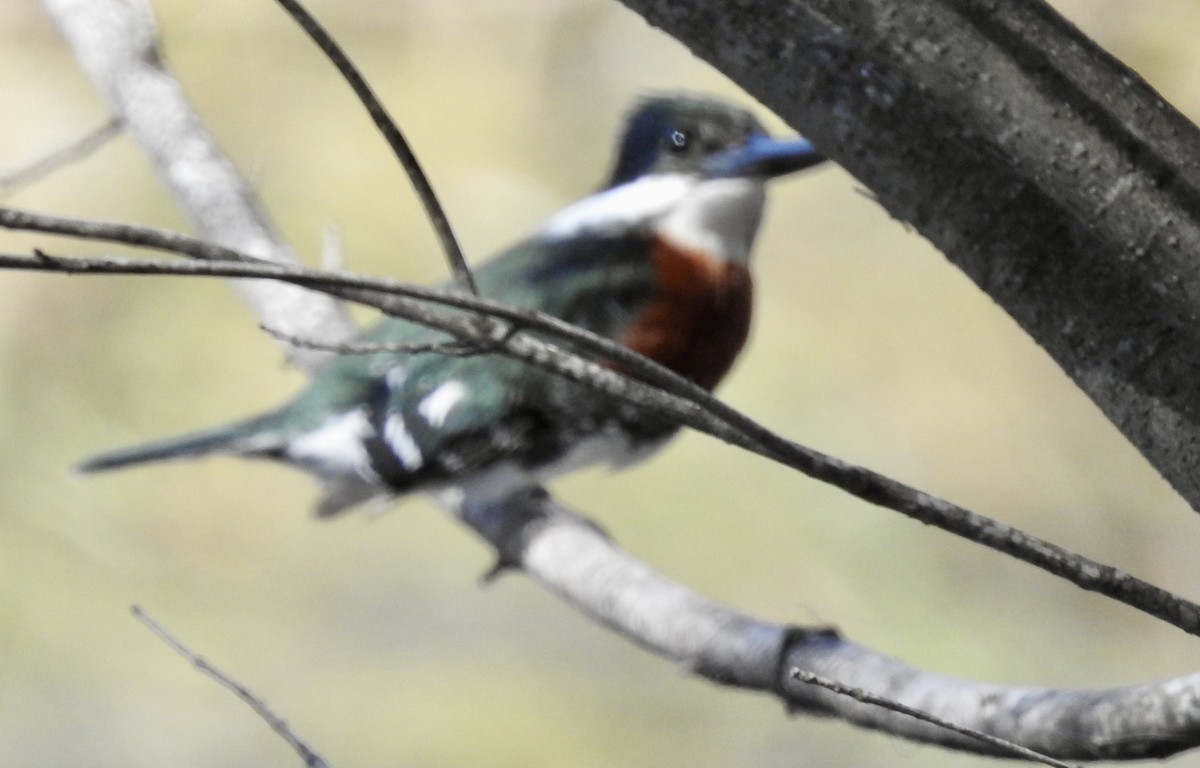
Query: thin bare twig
{"x": 126, "y": 234}
{"x": 175, "y": 242}
{"x": 448, "y": 348}
{"x": 395, "y": 139}
{"x": 260, "y": 708}
{"x": 866, "y": 697}
{"x": 698, "y": 410}
{"x": 76, "y": 151}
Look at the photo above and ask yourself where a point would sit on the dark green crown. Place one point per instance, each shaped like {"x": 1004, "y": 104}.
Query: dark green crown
{"x": 676, "y": 133}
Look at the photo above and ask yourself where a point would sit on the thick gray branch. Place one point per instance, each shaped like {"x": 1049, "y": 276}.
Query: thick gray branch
{"x": 114, "y": 41}
{"x": 569, "y": 556}
{"x": 1052, "y": 175}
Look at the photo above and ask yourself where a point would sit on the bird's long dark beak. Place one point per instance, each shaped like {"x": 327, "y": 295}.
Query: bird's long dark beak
{"x": 764, "y": 157}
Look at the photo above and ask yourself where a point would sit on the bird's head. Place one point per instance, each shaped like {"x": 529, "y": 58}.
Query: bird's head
{"x": 691, "y": 169}
{"x": 703, "y": 137}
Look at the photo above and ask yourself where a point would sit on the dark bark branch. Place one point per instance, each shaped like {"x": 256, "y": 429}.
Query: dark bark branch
{"x": 569, "y": 556}
{"x": 115, "y": 44}
{"x": 1051, "y": 174}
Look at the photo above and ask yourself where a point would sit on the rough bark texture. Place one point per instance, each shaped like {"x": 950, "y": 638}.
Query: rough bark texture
{"x": 1058, "y": 180}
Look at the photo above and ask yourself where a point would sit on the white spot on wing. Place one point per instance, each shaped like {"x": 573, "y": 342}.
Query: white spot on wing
{"x": 395, "y": 376}
{"x": 637, "y": 202}
{"x": 437, "y": 404}
{"x": 402, "y": 444}
{"x": 335, "y": 447}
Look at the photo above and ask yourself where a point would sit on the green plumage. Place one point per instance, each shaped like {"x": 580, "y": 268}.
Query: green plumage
{"x": 507, "y": 410}
{"x": 689, "y": 173}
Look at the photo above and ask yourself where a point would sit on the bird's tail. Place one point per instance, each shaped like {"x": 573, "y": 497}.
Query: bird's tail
{"x": 255, "y": 436}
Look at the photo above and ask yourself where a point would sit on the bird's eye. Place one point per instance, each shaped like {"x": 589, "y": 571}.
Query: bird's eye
{"x": 678, "y": 141}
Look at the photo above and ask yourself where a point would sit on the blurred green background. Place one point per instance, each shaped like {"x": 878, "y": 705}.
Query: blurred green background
{"x": 371, "y": 634}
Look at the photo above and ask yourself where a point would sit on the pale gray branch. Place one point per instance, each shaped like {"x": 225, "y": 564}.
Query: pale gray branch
{"x": 115, "y": 44}
{"x": 569, "y": 556}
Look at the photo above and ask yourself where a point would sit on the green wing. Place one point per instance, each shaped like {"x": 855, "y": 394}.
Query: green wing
{"x": 492, "y": 406}
{"x": 506, "y": 408}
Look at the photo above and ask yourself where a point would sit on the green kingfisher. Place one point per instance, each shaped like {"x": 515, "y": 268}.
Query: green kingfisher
{"x": 656, "y": 260}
